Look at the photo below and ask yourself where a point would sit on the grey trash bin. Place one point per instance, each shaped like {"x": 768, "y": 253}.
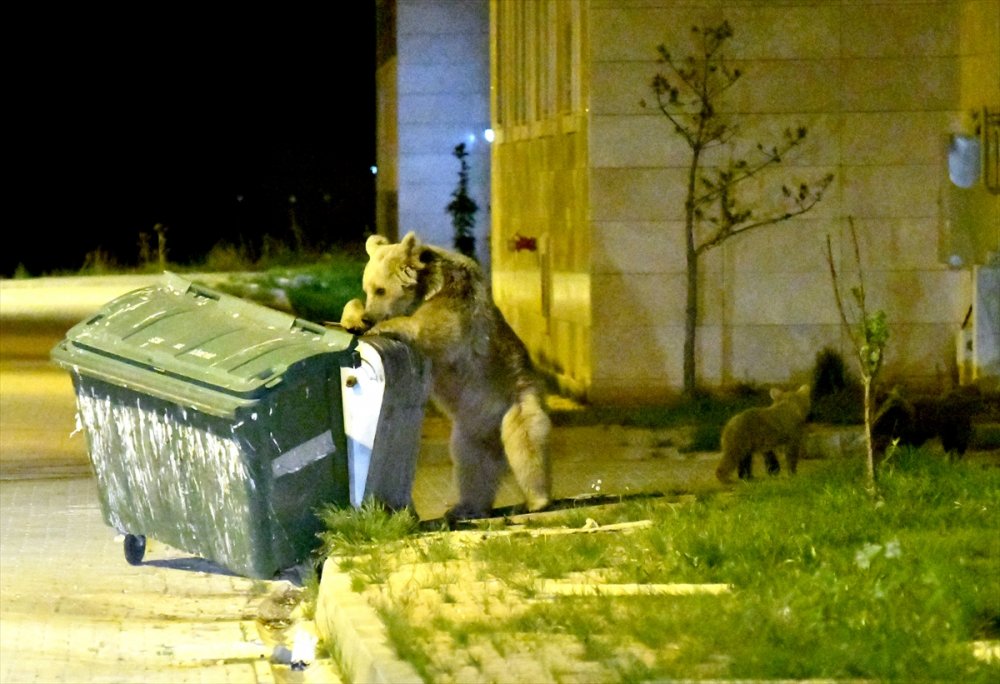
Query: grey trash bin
{"x": 219, "y": 426}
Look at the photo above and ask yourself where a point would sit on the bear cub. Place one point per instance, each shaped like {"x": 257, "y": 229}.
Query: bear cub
{"x": 914, "y": 421}
{"x": 763, "y": 430}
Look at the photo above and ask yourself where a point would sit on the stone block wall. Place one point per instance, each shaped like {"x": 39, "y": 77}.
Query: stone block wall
{"x": 881, "y": 87}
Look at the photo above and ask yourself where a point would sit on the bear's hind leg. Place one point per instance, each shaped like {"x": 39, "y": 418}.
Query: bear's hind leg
{"x": 734, "y": 454}
{"x": 525, "y": 434}
{"x": 792, "y": 453}
{"x": 479, "y": 465}
{"x": 744, "y": 470}
{"x": 771, "y": 462}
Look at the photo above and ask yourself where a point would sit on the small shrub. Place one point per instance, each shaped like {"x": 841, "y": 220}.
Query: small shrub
{"x": 706, "y": 437}
{"x": 275, "y": 253}
{"x": 99, "y": 262}
{"x": 437, "y": 550}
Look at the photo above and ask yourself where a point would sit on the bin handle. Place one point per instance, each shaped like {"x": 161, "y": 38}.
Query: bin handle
{"x": 308, "y": 326}
{"x": 205, "y": 292}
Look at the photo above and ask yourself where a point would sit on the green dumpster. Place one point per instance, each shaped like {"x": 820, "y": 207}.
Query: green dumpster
{"x": 217, "y": 425}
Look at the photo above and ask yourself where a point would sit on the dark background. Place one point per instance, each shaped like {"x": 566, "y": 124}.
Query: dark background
{"x": 205, "y": 124}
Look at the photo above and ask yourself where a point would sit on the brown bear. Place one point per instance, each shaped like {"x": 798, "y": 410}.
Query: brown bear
{"x": 482, "y": 376}
{"x": 914, "y": 421}
{"x": 764, "y": 430}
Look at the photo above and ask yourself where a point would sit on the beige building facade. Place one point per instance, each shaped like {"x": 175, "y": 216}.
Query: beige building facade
{"x": 588, "y": 189}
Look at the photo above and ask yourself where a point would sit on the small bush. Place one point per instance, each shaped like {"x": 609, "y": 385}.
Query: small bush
{"x": 99, "y": 262}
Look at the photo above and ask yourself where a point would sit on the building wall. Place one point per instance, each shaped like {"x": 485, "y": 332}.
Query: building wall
{"x": 386, "y": 123}
{"x": 972, "y": 216}
{"x": 433, "y": 95}
{"x": 881, "y": 87}
{"x": 542, "y": 282}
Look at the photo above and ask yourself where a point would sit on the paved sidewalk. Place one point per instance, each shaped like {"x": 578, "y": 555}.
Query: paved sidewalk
{"x": 72, "y": 609}
{"x": 588, "y": 462}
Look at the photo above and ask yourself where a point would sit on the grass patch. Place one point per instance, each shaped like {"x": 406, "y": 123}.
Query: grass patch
{"x": 408, "y": 639}
{"x": 316, "y": 292}
{"x": 827, "y": 582}
{"x": 349, "y": 531}
{"x": 365, "y": 539}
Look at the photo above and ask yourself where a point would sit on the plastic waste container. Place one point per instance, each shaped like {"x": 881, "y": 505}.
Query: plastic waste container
{"x": 219, "y": 426}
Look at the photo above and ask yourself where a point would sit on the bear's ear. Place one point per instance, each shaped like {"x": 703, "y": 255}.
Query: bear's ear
{"x": 434, "y": 282}
{"x": 374, "y": 242}
{"x": 804, "y": 390}
{"x": 775, "y": 394}
{"x": 416, "y": 255}
{"x": 411, "y": 244}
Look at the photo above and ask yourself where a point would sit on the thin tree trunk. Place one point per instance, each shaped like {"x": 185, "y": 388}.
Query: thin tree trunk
{"x": 691, "y": 306}
{"x": 691, "y": 323}
{"x": 870, "y": 471}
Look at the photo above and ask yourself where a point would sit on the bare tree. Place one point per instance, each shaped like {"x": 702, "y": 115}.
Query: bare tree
{"x": 869, "y": 333}
{"x": 689, "y": 95}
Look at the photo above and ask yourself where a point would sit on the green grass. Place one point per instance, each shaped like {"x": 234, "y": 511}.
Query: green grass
{"x": 350, "y": 531}
{"x": 316, "y": 292}
{"x": 365, "y": 539}
{"x": 827, "y": 581}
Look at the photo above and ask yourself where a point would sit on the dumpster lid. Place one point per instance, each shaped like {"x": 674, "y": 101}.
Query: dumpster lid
{"x": 181, "y": 329}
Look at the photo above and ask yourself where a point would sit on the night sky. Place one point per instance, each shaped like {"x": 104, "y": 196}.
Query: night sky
{"x": 206, "y": 124}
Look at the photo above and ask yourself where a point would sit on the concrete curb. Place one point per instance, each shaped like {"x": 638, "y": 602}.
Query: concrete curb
{"x": 344, "y": 618}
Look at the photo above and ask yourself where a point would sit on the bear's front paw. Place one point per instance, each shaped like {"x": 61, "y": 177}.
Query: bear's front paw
{"x": 353, "y": 317}
{"x": 383, "y": 330}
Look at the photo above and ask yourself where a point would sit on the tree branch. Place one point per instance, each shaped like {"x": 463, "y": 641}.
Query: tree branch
{"x": 725, "y": 232}
{"x": 860, "y": 294}
{"x": 836, "y": 293}
{"x": 747, "y": 171}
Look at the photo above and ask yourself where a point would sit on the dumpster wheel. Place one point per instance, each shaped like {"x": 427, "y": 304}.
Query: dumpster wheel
{"x": 135, "y": 548}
